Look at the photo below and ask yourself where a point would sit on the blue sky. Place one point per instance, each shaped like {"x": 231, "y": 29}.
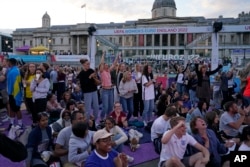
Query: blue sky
{"x": 28, "y": 13}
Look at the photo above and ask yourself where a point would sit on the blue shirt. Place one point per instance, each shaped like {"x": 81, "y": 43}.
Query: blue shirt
{"x": 96, "y": 160}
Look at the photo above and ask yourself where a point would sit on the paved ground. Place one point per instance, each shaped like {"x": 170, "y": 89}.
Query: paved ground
{"x": 153, "y": 163}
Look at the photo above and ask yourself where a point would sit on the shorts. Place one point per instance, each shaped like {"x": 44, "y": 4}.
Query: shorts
{"x": 13, "y": 105}
{"x": 185, "y": 161}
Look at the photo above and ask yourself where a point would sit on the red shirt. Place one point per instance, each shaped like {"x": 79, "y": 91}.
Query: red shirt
{"x": 118, "y": 119}
{"x": 247, "y": 88}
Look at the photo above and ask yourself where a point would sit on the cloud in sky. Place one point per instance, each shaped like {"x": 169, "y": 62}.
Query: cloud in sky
{"x": 28, "y": 13}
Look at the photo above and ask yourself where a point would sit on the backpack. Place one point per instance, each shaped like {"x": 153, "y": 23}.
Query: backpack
{"x": 11, "y": 149}
{"x": 157, "y": 144}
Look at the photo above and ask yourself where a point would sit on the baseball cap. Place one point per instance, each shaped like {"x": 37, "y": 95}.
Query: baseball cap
{"x": 101, "y": 134}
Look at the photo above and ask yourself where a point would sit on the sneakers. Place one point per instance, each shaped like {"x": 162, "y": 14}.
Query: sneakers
{"x": 130, "y": 159}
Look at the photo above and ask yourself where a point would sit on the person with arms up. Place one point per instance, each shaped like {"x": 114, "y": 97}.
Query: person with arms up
{"x": 174, "y": 144}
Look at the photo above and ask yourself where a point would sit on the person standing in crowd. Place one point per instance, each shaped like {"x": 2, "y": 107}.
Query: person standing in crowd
{"x": 61, "y": 77}
{"x": 203, "y": 87}
{"x": 53, "y": 79}
{"x": 14, "y": 89}
{"x": 88, "y": 82}
{"x": 180, "y": 78}
{"x": 138, "y": 103}
{"x": 127, "y": 88}
{"x": 40, "y": 88}
{"x": 28, "y": 77}
{"x": 107, "y": 87}
{"x": 148, "y": 93}
{"x": 246, "y": 91}
{"x": 119, "y": 75}
{"x": 45, "y": 70}
{"x": 4, "y": 94}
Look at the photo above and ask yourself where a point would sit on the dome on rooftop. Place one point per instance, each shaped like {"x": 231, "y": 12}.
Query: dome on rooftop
{"x": 46, "y": 16}
{"x": 164, "y": 3}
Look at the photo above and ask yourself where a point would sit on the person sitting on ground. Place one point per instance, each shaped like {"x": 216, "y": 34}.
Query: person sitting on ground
{"x": 39, "y": 141}
{"x": 161, "y": 124}
{"x": 77, "y": 94}
{"x": 174, "y": 144}
{"x": 245, "y": 138}
{"x": 62, "y": 141}
{"x": 207, "y": 138}
{"x": 119, "y": 116}
{"x": 104, "y": 155}
{"x": 65, "y": 99}
{"x": 80, "y": 144}
{"x": 53, "y": 107}
{"x": 162, "y": 104}
{"x": 212, "y": 119}
{"x": 200, "y": 110}
{"x": 119, "y": 137}
{"x": 231, "y": 120}
{"x": 62, "y": 122}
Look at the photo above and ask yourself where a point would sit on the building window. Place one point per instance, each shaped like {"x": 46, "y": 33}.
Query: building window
{"x": 31, "y": 43}
{"x": 53, "y": 41}
{"x": 164, "y": 12}
{"x": 61, "y": 40}
{"x": 23, "y": 42}
{"x": 41, "y": 41}
{"x": 232, "y": 38}
{"x": 164, "y": 39}
{"x": 172, "y": 39}
{"x": 70, "y": 41}
{"x": 120, "y": 40}
{"x": 149, "y": 40}
{"x": 157, "y": 40}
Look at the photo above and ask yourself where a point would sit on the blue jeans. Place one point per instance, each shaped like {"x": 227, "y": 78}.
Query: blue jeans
{"x": 107, "y": 102}
{"x": 148, "y": 109}
{"x": 180, "y": 88}
{"x": 193, "y": 97}
{"x": 119, "y": 147}
{"x": 127, "y": 106}
{"x": 91, "y": 101}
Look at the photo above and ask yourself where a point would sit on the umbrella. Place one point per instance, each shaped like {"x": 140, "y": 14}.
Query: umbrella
{"x": 39, "y": 49}
{"x": 23, "y": 48}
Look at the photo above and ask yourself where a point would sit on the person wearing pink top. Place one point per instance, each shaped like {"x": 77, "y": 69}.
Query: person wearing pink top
{"x": 107, "y": 87}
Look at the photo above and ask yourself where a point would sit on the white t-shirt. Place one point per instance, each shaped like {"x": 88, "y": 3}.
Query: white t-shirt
{"x": 244, "y": 147}
{"x": 176, "y": 147}
{"x": 160, "y": 126}
{"x": 180, "y": 78}
{"x": 148, "y": 93}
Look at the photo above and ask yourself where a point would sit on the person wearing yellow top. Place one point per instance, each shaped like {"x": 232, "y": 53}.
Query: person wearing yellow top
{"x": 28, "y": 77}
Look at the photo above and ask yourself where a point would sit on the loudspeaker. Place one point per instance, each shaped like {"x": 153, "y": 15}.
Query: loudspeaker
{"x": 217, "y": 26}
{"x": 91, "y": 29}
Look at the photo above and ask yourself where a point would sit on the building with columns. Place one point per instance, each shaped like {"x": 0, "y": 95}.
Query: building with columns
{"x": 73, "y": 39}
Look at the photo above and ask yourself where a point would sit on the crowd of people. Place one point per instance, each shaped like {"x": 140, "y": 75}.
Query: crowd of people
{"x": 83, "y": 118}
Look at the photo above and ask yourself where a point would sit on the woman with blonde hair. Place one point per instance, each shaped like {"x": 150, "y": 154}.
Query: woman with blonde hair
{"x": 127, "y": 88}
{"x": 28, "y": 77}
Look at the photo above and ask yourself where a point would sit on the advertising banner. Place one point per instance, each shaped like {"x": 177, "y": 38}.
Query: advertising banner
{"x": 68, "y": 58}
{"x": 30, "y": 58}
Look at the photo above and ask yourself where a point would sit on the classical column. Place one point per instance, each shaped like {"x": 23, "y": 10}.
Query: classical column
{"x": 177, "y": 44}
{"x": 78, "y": 45}
{"x": 71, "y": 44}
{"x": 161, "y": 44}
{"x": 153, "y": 44}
